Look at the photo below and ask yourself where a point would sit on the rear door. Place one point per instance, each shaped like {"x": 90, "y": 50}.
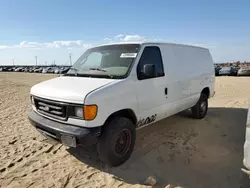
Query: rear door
{"x": 151, "y": 92}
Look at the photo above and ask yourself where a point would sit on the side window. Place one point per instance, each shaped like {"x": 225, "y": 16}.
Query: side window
{"x": 150, "y": 55}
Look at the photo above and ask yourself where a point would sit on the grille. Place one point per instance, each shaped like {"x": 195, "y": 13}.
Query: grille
{"x": 51, "y": 108}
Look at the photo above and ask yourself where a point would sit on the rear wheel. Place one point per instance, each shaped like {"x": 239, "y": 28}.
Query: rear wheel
{"x": 117, "y": 141}
{"x": 199, "y": 111}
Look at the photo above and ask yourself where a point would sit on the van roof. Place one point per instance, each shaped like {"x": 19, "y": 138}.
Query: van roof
{"x": 150, "y": 43}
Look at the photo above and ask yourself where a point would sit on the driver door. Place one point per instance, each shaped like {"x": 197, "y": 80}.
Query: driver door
{"x": 151, "y": 92}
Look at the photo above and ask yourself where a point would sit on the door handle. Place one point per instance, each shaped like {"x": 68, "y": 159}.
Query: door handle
{"x": 166, "y": 91}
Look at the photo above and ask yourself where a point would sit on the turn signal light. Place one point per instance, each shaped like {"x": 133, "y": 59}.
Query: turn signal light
{"x": 90, "y": 112}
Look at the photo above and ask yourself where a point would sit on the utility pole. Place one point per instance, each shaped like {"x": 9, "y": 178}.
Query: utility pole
{"x": 54, "y": 62}
{"x": 36, "y": 60}
{"x": 13, "y": 61}
{"x": 70, "y": 60}
{"x": 45, "y": 63}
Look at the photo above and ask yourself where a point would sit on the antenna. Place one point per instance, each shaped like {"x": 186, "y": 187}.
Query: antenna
{"x": 70, "y": 60}
{"x": 36, "y": 60}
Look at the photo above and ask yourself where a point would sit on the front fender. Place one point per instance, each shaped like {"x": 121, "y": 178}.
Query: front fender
{"x": 112, "y": 98}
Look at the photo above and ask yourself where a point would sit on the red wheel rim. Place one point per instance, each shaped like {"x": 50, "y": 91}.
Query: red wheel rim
{"x": 123, "y": 142}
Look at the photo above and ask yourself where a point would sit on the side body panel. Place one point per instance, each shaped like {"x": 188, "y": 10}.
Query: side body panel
{"x": 189, "y": 71}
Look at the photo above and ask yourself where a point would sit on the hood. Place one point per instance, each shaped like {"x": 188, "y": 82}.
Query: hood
{"x": 68, "y": 89}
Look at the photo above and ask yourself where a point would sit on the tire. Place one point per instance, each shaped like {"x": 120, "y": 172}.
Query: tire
{"x": 109, "y": 146}
{"x": 199, "y": 111}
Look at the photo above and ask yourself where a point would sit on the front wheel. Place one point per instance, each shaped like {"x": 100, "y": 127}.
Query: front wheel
{"x": 117, "y": 141}
{"x": 199, "y": 111}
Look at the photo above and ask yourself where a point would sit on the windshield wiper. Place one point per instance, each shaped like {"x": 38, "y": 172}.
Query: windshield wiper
{"x": 74, "y": 69}
{"x": 98, "y": 69}
{"x": 102, "y": 70}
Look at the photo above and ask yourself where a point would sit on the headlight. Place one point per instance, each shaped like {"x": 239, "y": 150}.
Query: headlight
{"x": 79, "y": 112}
{"x": 32, "y": 100}
{"x": 87, "y": 112}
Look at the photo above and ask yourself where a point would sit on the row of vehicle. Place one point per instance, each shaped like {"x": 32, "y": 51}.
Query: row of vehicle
{"x": 56, "y": 70}
{"x": 232, "y": 71}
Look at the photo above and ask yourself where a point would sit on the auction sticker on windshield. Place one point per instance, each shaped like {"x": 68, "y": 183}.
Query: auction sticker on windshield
{"x": 128, "y": 55}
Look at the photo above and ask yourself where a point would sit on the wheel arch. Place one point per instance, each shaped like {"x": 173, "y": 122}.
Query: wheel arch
{"x": 206, "y": 91}
{"x": 128, "y": 113}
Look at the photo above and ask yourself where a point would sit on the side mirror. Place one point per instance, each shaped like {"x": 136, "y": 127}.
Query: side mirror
{"x": 149, "y": 70}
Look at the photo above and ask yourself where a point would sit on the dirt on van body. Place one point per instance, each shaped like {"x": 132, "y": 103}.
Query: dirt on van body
{"x": 177, "y": 151}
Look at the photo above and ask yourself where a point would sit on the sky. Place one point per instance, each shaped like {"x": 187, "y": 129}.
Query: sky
{"x": 52, "y": 29}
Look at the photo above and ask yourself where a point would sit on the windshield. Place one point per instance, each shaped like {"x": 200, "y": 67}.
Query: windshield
{"x": 111, "y": 61}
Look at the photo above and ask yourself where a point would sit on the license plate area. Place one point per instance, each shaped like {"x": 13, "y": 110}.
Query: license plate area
{"x": 68, "y": 140}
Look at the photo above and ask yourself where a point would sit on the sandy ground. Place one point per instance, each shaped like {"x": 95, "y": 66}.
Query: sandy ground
{"x": 178, "y": 150}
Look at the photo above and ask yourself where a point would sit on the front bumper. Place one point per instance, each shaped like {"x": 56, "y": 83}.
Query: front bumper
{"x": 69, "y": 135}
{"x": 243, "y": 74}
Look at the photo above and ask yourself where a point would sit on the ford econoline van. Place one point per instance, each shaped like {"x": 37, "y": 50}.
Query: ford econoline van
{"x": 114, "y": 89}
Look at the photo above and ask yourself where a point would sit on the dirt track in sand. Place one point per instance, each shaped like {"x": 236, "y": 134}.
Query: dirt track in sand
{"x": 178, "y": 150}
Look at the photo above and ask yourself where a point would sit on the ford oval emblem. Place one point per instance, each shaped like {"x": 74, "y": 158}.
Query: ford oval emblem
{"x": 46, "y": 108}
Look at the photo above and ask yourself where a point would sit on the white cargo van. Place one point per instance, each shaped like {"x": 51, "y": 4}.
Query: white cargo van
{"x": 114, "y": 89}
{"x": 246, "y": 160}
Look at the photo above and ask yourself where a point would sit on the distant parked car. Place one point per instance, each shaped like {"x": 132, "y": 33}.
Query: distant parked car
{"x": 26, "y": 69}
{"x": 217, "y": 70}
{"x": 32, "y": 69}
{"x": 45, "y": 70}
{"x": 244, "y": 71}
{"x": 38, "y": 70}
{"x": 7, "y": 69}
{"x": 4, "y": 69}
{"x": 57, "y": 70}
{"x": 225, "y": 71}
{"x": 64, "y": 70}
{"x": 19, "y": 69}
{"x": 49, "y": 70}
{"x": 52, "y": 70}
{"x": 234, "y": 71}
{"x": 61, "y": 70}
{"x": 1, "y": 69}
{"x": 10, "y": 69}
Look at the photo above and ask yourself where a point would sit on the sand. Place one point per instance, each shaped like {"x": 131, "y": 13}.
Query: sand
{"x": 179, "y": 150}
